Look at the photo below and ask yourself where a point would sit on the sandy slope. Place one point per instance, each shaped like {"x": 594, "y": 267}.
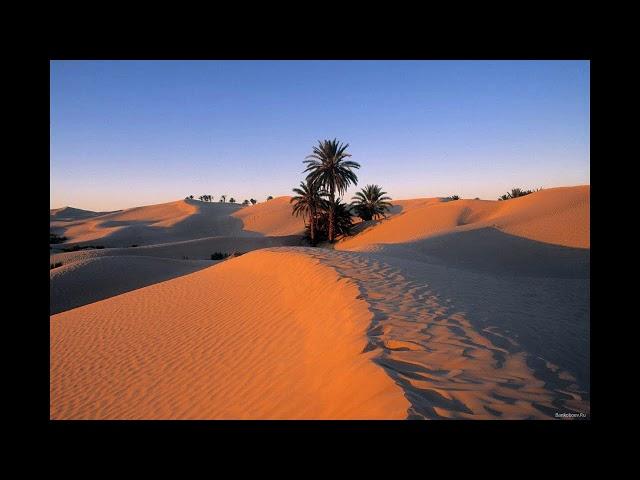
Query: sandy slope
{"x": 469, "y": 345}
{"x": 66, "y": 214}
{"x": 92, "y": 279}
{"x": 87, "y": 276}
{"x": 271, "y": 218}
{"x": 236, "y": 229}
{"x": 558, "y": 216}
{"x": 242, "y": 339}
{"x": 178, "y": 221}
{"x": 542, "y": 234}
{"x": 506, "y": 283}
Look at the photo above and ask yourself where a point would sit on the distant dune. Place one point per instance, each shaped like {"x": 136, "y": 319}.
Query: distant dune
{"x": 558, "y": 216}
{"x": 67, "y": 214}
{"x": 83, "y": 279}
{"x": 468, "y": 309}
{"x": 179, "y": 221}
{"x": 542, "y": 234}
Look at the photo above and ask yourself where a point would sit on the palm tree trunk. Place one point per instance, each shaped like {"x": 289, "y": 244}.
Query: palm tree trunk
{"x": 331, "y": 215}
{"x": 312, "y": 228}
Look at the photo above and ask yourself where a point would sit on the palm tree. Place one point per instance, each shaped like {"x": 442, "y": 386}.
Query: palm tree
{"x": 308, "y": 203}
{"x": 253, "y": 201}
{"x": 370, "y": 202}
{"x": 329, "y": 168}
{"x": 269, "y": 198}
{"x": 191, "y": 197}
{"x": 342, "y": 219}
{"x": 232, "y": 200}
{"x": 223, "y": 198}
{"x": 245, "y": 202}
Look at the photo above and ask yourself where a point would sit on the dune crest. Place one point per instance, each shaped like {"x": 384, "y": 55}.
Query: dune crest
{"x": 243, "y": 339}
{"x": 558, "y": 216}
{"x": 271, "y": 218}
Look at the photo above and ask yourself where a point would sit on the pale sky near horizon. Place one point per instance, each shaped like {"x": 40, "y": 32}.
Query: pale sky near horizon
{"x": 132, "y": 133}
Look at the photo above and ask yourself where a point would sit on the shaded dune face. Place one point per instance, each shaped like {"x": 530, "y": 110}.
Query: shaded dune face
{"x": 481, "y": 306}
{"x": 86, "y": 281}
{"x": 450, "y": 363}
{"x": 557, "y": 216}
{"x": 243, "y": 339}
{"x": 542, "y": 234}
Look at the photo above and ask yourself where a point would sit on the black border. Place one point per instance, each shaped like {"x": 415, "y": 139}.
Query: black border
{"x": 413, "y": 45}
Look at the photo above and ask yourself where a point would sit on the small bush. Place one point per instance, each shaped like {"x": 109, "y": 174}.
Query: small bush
{"x": 237, "y": 254}
{"x": 219, "y": 256}
{"x": 55, "y": 265}
{"x": 54, "y": 238}
{"x": 517, "y": 192}
{"x": 75, "y": 248}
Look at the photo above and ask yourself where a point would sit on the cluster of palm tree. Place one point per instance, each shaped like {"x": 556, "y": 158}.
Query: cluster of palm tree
{"x": 223, "y": 199}
{"x": 203, "y": 198}
{"x": 517, "y": 192}
{"x": 318, "y": 198}
{"x": 371, "y": 203}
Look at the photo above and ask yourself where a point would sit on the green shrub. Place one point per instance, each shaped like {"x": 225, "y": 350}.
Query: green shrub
{"x": 75, "y": 248}
{"x": 54, "y": 238}
{"x": 517, "y": 192}
{"x": 219, "y": 256}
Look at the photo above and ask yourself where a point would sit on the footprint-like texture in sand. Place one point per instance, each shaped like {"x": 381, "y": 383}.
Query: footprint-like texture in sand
{"x": 447, "y": 367}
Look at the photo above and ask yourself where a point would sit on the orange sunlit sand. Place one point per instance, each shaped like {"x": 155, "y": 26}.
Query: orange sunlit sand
{"x": 445, "y": 309}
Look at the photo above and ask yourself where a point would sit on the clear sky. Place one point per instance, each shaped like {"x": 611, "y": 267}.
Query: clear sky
{"x": 132, "y": 133}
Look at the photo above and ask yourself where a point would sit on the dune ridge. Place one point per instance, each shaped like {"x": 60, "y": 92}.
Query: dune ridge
{"x": 558, "y": 216}
{"x": 242, "y": 339}
{"x": 448, "y": 365}
{"x": 180, "y": 221}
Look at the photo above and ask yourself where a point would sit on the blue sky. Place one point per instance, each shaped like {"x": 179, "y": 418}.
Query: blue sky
{"x": 131, "y": 133}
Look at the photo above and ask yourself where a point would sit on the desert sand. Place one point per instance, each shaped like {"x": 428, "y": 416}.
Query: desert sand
{"x": 469, "y": 309}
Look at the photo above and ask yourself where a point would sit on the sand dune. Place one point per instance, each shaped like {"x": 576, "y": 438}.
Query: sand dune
{"x": 86, "y": 281}
{"x": 237, "y": 229}
{"x": 471, "y": 346}
{"x": 179, "y": 221}
{"x": 271, "y": 218}
{"x": 66, "y": 214}
{"x": 87, "y": 276}
{"x": 242, "y": 339}
{"x": 462, "y": 309}
{"x": 558, "y": 216}
{"x": 543, "y": 234}
{"x": 198, "y": 249}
